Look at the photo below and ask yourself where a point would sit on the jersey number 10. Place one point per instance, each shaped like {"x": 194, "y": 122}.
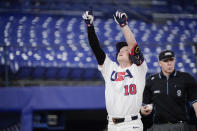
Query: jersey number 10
{"x": 130, "y": 90}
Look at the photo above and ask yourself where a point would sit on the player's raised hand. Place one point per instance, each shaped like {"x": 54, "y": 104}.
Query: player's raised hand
{"x": 88, "y": 18}
{"x": 121, "y": 18}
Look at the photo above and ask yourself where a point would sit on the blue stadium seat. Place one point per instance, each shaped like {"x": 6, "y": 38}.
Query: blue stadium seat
{"x": 63, "y": 73}
{"x": 50, "y": 44}
{"x": 24, "y": 73}
{"x": 38, "y": 73}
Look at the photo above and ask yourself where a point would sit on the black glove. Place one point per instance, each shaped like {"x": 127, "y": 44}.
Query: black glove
{"x": 121, "y": 18}
{"x": 88, "y": 18}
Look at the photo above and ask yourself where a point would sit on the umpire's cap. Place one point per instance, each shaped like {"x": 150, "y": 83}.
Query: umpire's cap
{"x": 166, "y": 54}
{"x": 119, "y": 45}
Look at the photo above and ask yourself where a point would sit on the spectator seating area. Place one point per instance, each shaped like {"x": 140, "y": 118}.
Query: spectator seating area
{"x": 140, "y": 6}
{"x": 56, "y": 47}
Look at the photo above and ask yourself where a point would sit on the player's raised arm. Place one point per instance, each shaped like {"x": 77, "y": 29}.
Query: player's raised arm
{"x": 135, "y": 52}
{"x": 121, "y": 18}
{"x": 92, "y": 38}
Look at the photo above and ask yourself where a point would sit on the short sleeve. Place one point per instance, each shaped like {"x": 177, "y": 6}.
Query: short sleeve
{"x": 107, "y": 67}
{"x": 191, "y": 88}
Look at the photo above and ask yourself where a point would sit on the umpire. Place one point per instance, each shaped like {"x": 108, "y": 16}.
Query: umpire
{"x": 167, "y": 95}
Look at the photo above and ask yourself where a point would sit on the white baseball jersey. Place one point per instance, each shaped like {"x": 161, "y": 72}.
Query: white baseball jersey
{"x": 124, "y": 88}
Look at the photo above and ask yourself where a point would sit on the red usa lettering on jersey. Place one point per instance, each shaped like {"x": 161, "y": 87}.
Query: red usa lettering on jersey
{"x": 119, "y": 76}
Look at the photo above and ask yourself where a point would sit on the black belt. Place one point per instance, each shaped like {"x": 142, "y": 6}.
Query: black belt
{"x": 120, "y": 120}
{"x": 169, "y": 122}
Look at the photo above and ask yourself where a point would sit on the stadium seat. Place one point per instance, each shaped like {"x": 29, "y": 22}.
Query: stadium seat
{"x": 49, "y": 44}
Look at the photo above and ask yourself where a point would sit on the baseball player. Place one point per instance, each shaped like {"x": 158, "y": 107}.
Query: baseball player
{"x": 124, "y": 81}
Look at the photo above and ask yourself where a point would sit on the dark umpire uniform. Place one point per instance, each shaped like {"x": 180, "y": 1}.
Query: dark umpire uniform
{"x": 170, "y": 97}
